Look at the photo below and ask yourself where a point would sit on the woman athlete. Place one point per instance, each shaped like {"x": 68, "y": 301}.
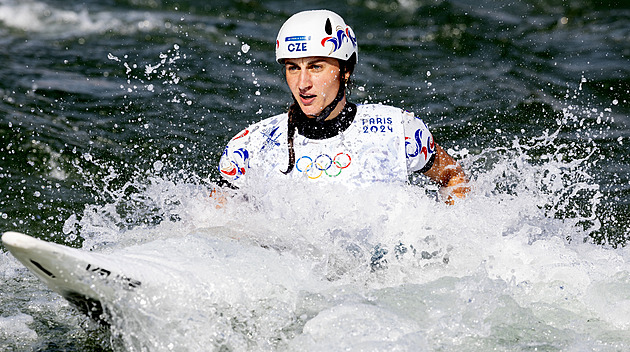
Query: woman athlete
{"x": 325, "y": 138}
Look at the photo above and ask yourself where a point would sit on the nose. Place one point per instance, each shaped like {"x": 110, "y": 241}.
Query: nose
{"x": 304, "y": 82}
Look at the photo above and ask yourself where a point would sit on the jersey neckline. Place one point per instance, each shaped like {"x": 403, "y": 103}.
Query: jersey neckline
{"x": 313, "y": 129}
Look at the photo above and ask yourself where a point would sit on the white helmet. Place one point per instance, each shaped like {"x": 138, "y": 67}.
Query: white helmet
{"x": 315, "y": 33}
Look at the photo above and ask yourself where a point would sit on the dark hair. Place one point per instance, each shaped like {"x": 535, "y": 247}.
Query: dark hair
{"x": 295, "y": 112}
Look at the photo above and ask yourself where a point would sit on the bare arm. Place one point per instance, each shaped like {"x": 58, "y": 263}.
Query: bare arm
{"x": 449, "y": 175}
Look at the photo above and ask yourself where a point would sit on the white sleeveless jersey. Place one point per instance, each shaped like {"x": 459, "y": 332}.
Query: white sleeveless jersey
{"x": 383, "y": 144}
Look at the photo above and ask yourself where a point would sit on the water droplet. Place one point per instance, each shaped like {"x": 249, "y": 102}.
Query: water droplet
{"x": 158, "y": 165}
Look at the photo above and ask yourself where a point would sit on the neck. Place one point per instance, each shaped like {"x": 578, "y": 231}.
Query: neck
{"x": 334, "y": 113}
{"x": 311, "y": 128}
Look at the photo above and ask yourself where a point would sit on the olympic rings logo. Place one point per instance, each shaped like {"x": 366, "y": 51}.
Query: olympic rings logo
{"x": 323, "y": 164}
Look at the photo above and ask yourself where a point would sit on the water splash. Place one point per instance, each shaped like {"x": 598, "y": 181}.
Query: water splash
{"x": 291, "y": 267}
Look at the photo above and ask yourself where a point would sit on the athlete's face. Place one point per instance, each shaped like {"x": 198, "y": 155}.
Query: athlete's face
{"x": 314, "y": 82}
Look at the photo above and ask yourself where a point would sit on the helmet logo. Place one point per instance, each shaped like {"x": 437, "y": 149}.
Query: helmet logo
{"x": 297, "y": 43}
{"x": 338, "y": 41}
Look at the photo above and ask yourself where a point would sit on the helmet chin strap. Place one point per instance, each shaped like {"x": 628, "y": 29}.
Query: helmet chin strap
{"x": 330, "y": 107}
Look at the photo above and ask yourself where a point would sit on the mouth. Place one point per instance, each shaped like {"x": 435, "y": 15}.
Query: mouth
{"x": 307, "y": 99}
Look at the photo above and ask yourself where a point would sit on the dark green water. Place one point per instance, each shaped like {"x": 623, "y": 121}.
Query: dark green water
{"x": 99, "y": 96}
